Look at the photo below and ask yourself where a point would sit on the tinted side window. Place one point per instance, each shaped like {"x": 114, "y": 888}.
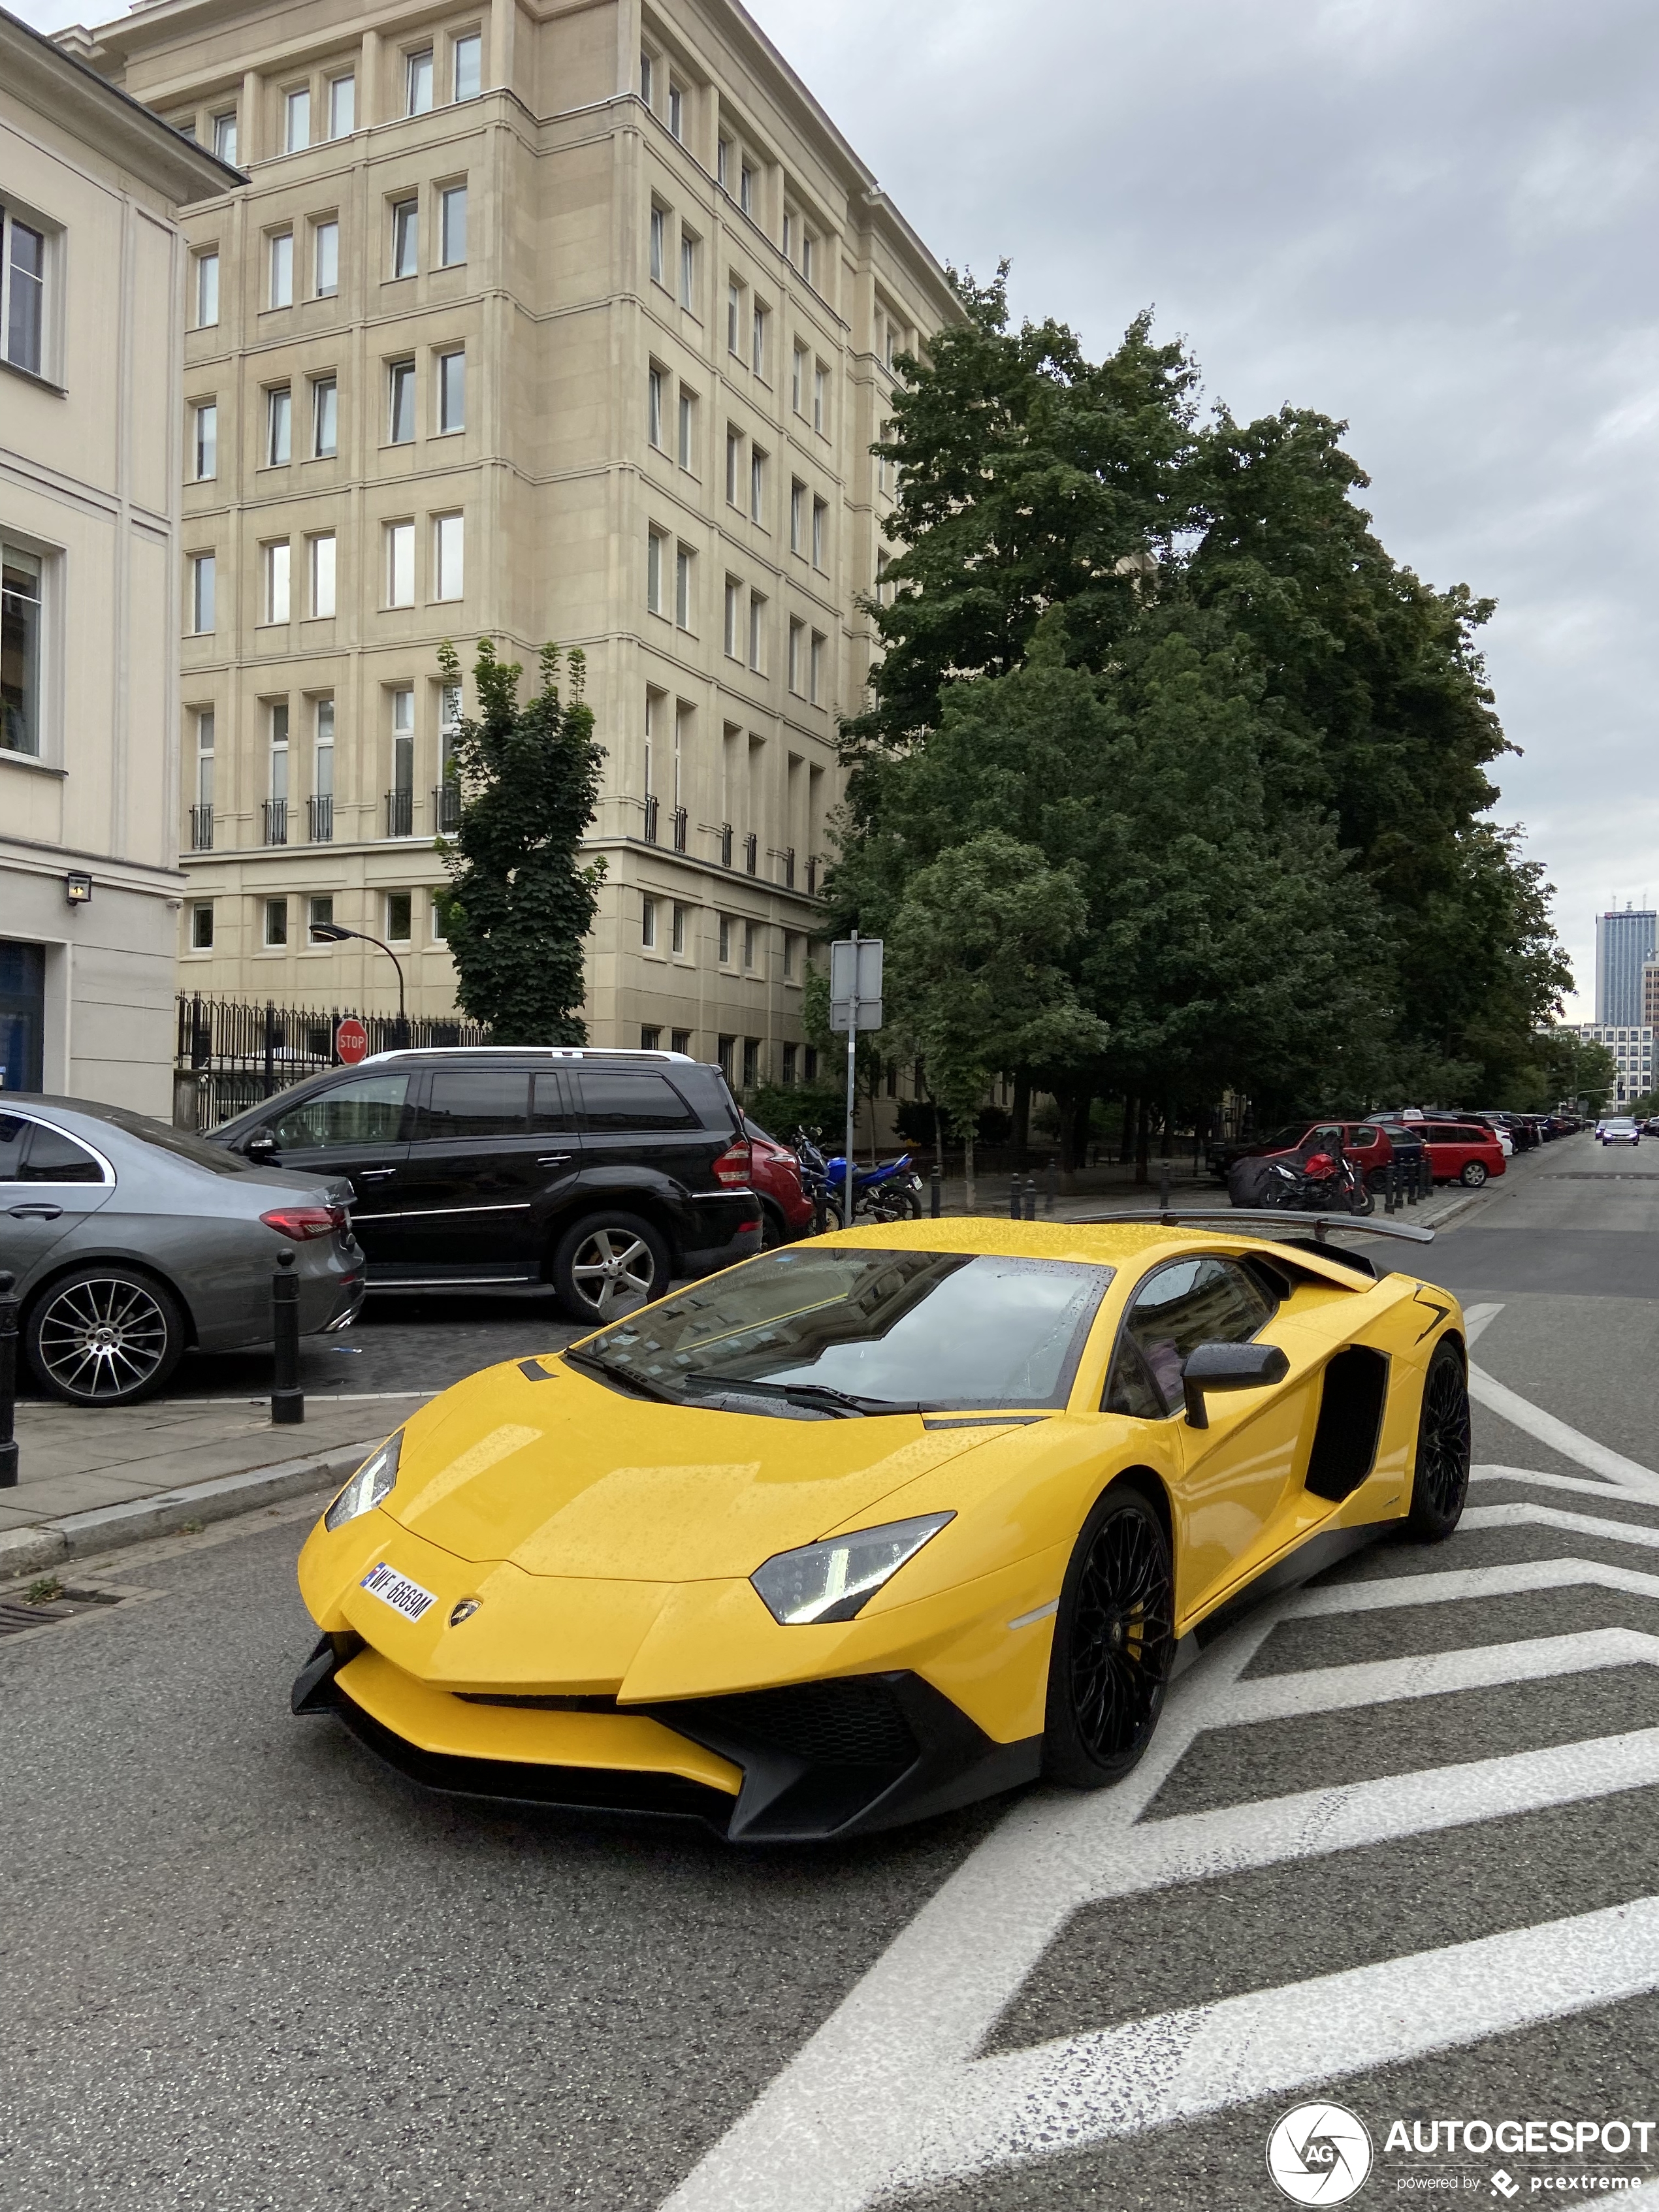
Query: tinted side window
{"x": 614, "y": 1099}
{"x": 12, "y": 1133}
{"x": 1191, "y": 1303}
{"x": 554, "y": 1109}
{"x": 1364, "y": 1136}
{"x": 366, "y": 1110}
{"x": 475, "y": 1102}
{"x": 54, "y": 1158}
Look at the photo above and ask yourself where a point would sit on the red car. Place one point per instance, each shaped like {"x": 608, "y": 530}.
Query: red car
{"x": 1462, "y": 1151}
{"x": 774, "y": 1173}
{"x": 1365, "y": 1143}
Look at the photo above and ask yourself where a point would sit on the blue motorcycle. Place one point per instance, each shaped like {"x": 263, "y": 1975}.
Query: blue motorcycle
{"x": 890, "y": 1191}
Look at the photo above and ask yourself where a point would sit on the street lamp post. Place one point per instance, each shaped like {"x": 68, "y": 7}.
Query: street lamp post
{"x": 331, "y": 933}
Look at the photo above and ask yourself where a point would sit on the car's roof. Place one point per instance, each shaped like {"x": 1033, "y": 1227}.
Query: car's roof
{"x": 625, "y": 1053}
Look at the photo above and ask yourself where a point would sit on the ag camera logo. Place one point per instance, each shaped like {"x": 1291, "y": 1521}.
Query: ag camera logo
{"x": 1319, "y": 2155}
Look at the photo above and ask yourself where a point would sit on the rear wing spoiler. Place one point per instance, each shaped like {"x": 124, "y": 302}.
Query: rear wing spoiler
{"x": 1231, "y": 1216}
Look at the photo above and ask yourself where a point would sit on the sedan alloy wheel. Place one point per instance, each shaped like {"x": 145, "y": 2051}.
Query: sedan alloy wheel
{"x": 103, "y": 1336}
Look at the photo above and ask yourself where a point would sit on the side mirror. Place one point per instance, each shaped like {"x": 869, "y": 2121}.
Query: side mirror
{"x": 261, "y": 1145}
{"x": 1228, "y": 1367}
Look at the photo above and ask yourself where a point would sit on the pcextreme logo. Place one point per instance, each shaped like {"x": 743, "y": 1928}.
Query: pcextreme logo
{"x": 1319, "y": 2154}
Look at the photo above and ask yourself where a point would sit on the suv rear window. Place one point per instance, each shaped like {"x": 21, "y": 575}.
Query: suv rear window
{"x": 475, "y": 1102}
{"x": 618, "y": 1099}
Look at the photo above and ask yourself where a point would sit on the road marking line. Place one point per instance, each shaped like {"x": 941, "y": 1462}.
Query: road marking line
{"x": 1477, "y": 1319}
{"x": 1574, "y": 1482}
{"x": 1521, "y": 1413}
{"x": 1519, "y": 1515}
{"x": 1460, "y": 1583}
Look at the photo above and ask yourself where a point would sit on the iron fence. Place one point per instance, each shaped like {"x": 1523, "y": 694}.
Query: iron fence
{"x": 232, "y": 1053}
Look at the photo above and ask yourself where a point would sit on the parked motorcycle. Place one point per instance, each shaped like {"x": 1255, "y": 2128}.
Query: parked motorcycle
{"x": 890, "y": 1191}
{"x": 1307, "y": 1182}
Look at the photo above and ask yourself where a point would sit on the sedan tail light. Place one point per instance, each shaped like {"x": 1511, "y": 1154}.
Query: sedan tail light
{"x": 302, "y": 1223}
{"x": 733, "y": 1166}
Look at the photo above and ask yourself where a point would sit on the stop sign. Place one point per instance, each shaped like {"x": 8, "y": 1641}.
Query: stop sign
{"x": 352, "y": 1040}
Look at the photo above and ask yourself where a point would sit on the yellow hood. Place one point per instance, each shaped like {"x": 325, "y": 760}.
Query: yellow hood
{"x": 565, "y": 1477}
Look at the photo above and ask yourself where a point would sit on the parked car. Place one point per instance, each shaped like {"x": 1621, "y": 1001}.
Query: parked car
{"x": 1366, "y": 1143}
{"x": 1618, "y": 1129}
{"x": 785, "y": 1210}
{"x": 1462, "y": 1152}
{"x": 603, "y": 1173}
{"x": 131, "y": 1242}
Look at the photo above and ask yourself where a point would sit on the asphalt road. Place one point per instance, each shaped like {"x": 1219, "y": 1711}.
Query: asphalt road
{"x": 1392, "y": 1849}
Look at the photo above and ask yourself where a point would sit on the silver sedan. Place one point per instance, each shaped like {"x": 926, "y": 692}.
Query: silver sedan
{"x": 130, "y": 1241}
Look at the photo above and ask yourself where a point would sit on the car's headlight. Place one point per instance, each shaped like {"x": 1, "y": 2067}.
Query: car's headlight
{"x": 835, "y": 1579}
{"x": 372, "y": 1482}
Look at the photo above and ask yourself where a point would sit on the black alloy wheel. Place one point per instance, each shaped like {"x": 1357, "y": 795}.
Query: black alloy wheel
{"x": 1474, "y": 1175}
{"x": 104, "y": 1336}
{"x": 1114, "y": 1644}
{"x": 1440, "y": 1486}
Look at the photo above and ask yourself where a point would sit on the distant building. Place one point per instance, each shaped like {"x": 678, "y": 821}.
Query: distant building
{"x": 1624, "y": 944}
{"x": 1631, "y": 1046}
{"x": 1650, "y": 992}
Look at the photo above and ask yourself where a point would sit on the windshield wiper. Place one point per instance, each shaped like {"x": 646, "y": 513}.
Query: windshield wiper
{"x": 621, "y": 1377}
{"x": 807, "y": 1393}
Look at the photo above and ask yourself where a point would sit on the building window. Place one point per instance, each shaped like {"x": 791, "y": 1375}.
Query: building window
{"x": 417, "y": 82}
{"x": 201, "y": 926}
{"x": 279, "y": 424}
{"x": 224, "y": 137}
{"x": 296, "y": 120}
{"x": 23, "y": 293}
{"x": 797, "y": 515}
{"x": 733, "y": 463}
{"x": 205, "y": 440}
{"x": 400, "y": 389}
{"x": 747, "y": 189}
{"x": 276, "y": 557}
{"x": 342, "y": 107}
{"x": 683, "y": 587}
{"x": 658, "y": 226}
{"x": 399, "y": 916}
{"x": 788, "y": 236}
{"x": 820, "y": 517}
{"x": 322, "y": 574}
{"x": 733, "y": 316}
{"x": 325, "y": 260}
{"x": 468, "y": 78}
{"x": 452, "y": 391}
{"x": 788, "y": 972}
{"x": 750, "y": 1062}
{"x": 319, "y": 915}
{"x": 654, "y": 561}
{"x": 280, "y": 256}
{"x": 797, "y": 634}
{"x": 648, "y": 924}
{"x": 821, "y": 400}
{"x": 653, "y": 384}
{"x": 791, "y": 1062}
{"x": 679, "y": 1041}
{"x": 798, "y": 381}
{"x": 809, "y": 247}
{"x": 202, "y": 567}
{"x": 723, "y": 162}
{"x": 750, "y": 936}
{"x": 437, "y": 930}
{"x": 734, "y": 615}
{"x": 204, "y": 736}
{"x": 324, "y": 418}
{"x": 647, "y": 80}
{"x": 448, "y": 554}
{"x": 725, "y": 944}
{"x": 727, "y": 1047}
{"x": 677, "y": 940}
{"x": 275, "y": 922}
{"x": 322, "y": 780}
{"x": 400, "y": 564}
{"x": 757, "y": 628}
{"x": 452, "y": 225}
{"x": 881, "y": 576}
{"x": 676, "y": 110}
{"x": 815, "y": 673}
{"x": 21, "y": 577}
{"x": 758, "y": 342}
{"x": 688, "y": 268}
{"x": 650, "y": 1038}
{"x": 405, "y": 237}
{"x": 207, "y": 289}
{"x": 688, "y": 426}
{"x": 757, "y": 483}
{"x": 810, "y": 1063}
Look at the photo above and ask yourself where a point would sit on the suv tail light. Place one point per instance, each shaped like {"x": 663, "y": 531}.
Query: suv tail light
{"x": 733, "y": 1165}
{"x": 302, "y": 1223}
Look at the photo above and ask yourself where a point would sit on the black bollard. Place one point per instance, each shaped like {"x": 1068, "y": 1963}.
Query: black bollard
{"x": 1030, "y": 1198}
{"x": 1163, "y": 1188}
{"x": 933, "y": 1190}
{"x": 1053, "y": 1184}
{"x": 288, "y": 1402}
{"x": 1016, "y": 1209}
{"x": 7, "y": 1382}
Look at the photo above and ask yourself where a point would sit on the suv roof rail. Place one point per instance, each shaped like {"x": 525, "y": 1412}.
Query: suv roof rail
{"x": 547, "y": 1051}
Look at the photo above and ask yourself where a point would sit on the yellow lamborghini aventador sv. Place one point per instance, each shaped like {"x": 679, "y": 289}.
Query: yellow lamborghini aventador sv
{"x": 870, "y": 1526}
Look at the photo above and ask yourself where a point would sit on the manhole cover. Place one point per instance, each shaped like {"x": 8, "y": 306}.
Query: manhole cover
{"x": 17, "y": 1614}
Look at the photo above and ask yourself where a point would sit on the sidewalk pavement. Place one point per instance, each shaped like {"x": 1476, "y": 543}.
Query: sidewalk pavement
{"x": 91, "y": 1481}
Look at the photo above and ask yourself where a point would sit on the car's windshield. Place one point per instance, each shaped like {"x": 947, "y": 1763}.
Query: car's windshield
{"x": 1291, "y": 1134}
{"x": 180, "y": 1142}
{"x": 944, "y": 1329}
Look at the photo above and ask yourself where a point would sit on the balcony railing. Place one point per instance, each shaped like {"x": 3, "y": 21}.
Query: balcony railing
{"x": 201, "y": 828}
{"x": 725, "y": 844}
{"x": 682, "y": 824}
{"x": 400, "y": 814}
{"x": 447, "y": 807}
{"x": 751, "y": 854}
{"x": 275, "y": 821}
{"x": 789, "y": 867}
{"x": 319, "y": 818}
{"x": 812, "y": 875}
{"x": 650, "y": 811}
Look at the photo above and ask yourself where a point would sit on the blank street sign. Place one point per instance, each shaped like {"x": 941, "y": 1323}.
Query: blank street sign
{"x": 868, "y": 950}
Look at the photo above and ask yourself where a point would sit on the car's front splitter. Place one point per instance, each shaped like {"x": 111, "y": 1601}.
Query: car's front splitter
{"x": 838, "y": 1758}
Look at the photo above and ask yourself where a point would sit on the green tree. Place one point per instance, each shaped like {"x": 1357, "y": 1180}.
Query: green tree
{"x": 976, "y": 947}
{"x": 520, "y": 902}
{"x": 1574, "y": 1067}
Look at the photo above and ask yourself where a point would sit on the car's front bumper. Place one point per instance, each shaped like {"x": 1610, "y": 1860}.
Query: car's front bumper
{"x": 843, "y": 1756}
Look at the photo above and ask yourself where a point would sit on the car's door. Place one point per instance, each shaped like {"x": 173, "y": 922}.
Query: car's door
{"x": 468, "y": 1189}
{"x": 1445, "y": 1148}
{"x": 358, "y": 1127}
{"x": 49, "y": 1183}
{"x": 1240, "y": 1475}
{"x": 634, "y": 1120}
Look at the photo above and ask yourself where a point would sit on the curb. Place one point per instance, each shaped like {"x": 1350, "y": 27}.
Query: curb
{"x": 106, "y": 1528}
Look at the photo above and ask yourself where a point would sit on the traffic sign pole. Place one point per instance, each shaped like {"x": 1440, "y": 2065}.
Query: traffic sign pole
{"x": 855, "y": 979}
{"x": 852, "y": 1084}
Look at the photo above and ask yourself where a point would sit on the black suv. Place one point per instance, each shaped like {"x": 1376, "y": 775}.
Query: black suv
{"x": 603, "y": 1173}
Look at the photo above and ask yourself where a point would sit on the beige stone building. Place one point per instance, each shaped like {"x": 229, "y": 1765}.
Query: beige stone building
{"x": 538, "y": 320}
{"x": 92, "y": 267}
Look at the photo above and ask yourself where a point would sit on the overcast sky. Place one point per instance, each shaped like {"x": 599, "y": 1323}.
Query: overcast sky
{"x": 1432, "y": 218}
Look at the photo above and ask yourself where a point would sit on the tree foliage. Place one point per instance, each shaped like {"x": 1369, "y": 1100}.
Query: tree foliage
{"x": 1171, "y": 658}
{"x": 520, "y": 902}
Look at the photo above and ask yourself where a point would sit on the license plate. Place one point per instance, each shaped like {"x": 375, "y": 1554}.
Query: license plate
{"x": 397, "y": 1591}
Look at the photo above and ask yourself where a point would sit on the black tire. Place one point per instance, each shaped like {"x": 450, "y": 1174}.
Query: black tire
{"x": 774, "y": 1230}
{"x": 104, "y": 1336}
{"x": 1114, "y": 1645}
{"x": 1474, "y": 1175}
{"x": 607, "y": 1265}
{"x": 1364, "y": 1199}
{"x": 1440, "y": 1477}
